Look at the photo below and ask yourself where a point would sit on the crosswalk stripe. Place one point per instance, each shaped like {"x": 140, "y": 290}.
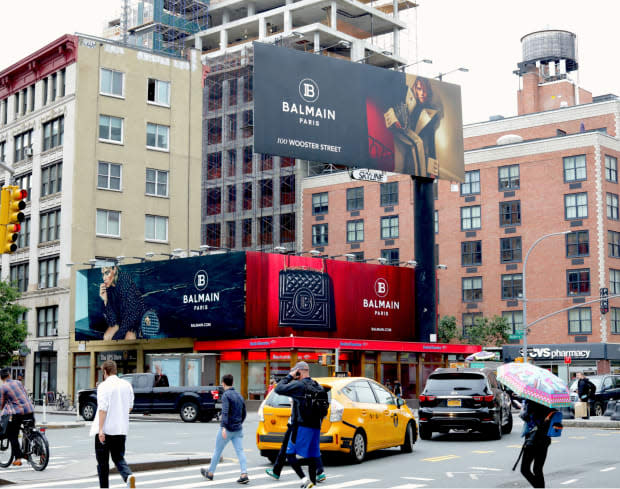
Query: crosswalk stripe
{"x": 409, "y": 486}
{"x": 487, "y": 468}
{"x": 608, "y": 469}
{"x": 294, "y": 482}
{"x": 569, "y": 481}
{"x": 418, "y": 478}
{"x": 354, "y": 483}
{"x": 196, "y": 475}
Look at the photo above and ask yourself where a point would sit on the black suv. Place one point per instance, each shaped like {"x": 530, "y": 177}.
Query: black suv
{"x": 464, "y": 399}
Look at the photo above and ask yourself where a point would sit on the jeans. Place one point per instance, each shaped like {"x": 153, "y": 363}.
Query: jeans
{"x": 236, "y": 437}
{"x": 12, "y": 432}
{"x": 114, "y": 445}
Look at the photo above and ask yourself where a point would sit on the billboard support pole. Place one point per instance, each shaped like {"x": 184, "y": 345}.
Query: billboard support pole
{"x": 424, "y": 251}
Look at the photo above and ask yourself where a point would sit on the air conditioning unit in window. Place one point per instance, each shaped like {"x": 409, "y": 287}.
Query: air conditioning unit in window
{"x": 53, "y": 332}
{"x": 28, "y": 151}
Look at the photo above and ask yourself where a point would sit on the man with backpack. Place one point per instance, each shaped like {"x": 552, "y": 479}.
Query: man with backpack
{"x": 585, "y": 390}
{"x": 309, "y": 408}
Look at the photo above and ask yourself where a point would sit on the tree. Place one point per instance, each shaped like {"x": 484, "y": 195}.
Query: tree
{"x": 12, "y": 332}
{"x": 448, "y": 329}
{"x": 485, "y": 332}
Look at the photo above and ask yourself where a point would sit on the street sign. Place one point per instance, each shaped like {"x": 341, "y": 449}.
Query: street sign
{"x": 476, "y": 365}
{"x": 516, "y": 336}
{"x": 568, "y": 359}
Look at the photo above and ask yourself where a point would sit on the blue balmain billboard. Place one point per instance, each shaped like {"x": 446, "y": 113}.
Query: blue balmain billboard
{"x": 329, "y": 110}
{"x": 199, "y": 297}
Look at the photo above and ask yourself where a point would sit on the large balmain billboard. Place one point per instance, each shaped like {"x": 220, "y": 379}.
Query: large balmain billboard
{"x": 329, "y": 110}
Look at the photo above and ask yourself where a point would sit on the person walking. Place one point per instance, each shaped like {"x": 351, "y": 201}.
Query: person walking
{"x": 585, "y": 391}
{"x": 111, "y": 424}
{"x": 306, "y": 430}
{"x": 398, "y": 389}
{"x": 537, "y": 419}
{"x": 15, "y": 402}
{"x": 233, "y": 416}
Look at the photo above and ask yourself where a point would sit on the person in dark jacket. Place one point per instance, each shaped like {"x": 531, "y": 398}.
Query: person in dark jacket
{"x": 305, "y": 435}
{"x": 537, "y": 441}
{"x": 123, "y": 306}
{"x": 585, "y": 390}
{"x": 233, "y": 416}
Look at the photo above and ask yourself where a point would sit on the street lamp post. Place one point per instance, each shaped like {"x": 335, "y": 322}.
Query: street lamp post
{"x": 441, "y": 75}
{"x": 524, "y": 297}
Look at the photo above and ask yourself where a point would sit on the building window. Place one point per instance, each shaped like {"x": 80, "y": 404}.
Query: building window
{"x": 231, "y": 193}
{"x": 510, "y": 249}
{"x": 23, "y": 238}
{"x": 111, "y": 82}
{"x": 614, "y": 243}
{"x": 320, "y": 235}
{"x": 48, "y": 273}
{"x": 246, "y": 233}
{"x": 214, "y": 165}
{"x": 156, "y": 228}
{"x": 247, "y": 129}
{"x": 3, "y": 151}
{"x": 247, "y": 196}
{"x": 355, "y": 199}
{"x": 391, "y": 256}
{"x": 286, "y": 161}
{"x": 574, "y": 168}
{"x": 110, "y": 129}
{"x": 24, "y": 181}
{"x": 108, "y": 223}
{"x": 512, "y": 286}
{"x": 214, "y": 130}
{"x": 614, "y": 320}
{"x": 266, "y": 193}
{"x": 472, "y": 289}
{"x": 214, "y": 234}
{"x": 232, "y": 92}
{"x": 509, "y": 178}
{"x": 510, "y": 213}
{"x": 158, "y": 92}
{"x": 319, "y": 204}
{"x": 580, "y": 321}
{"x": 231, "y": 127}
{"x": 611, "y": 169}
{"x": 19, "y": 276}
{"x": 470, "y": 217}
{"x": 214, "y": 201}
{"x": 248, "y": 156}
{"x": 156, "y": 182}
{"x": 576, "y": 206}
{"x": 614, "y": 281}
{"x": 248, "y": 88}
{"x": 469, "y": 320}
{"x": 471, "y": 253}
{"x": 471, "y": 185}
{"x": 266, "y": 162}
{"x": 514, "y": 320}
{"x": 287, "y": 228}
{"x": 356, "y": 256}
{"x": 109, "y": 176}
{"x": 612, "y": 206}
{"x": 47, "y": 321}
{"x": 389, "y": 227}
{"x": 287, "y": 189}
{"x": 23, "y": 146}
{"x": 355, "y": 231}
{"x": 436, "y": 219}
{"x": 231, "y": 166}
{"x": 62, "y": 88}
{"x": 49, "y": 226}
{"x": 231, "y": 234}
{"x": 45, "y": 90}
{"x": 266, "y": 230}
{"x": 51, "y": 179}
{"x": 577, "y": 244}
{"x": 578, "y": 281}
{"x": 157, "y": 136}
{"x": 389, "y": 193}
{"x": 53, "y": 133}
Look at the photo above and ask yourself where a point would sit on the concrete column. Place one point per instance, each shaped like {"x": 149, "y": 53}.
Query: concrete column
{"x": 198, "y": 44}
{"x": 288, "y": 21}
{"x": 93, "y": 368}
{"x": 396, "y": 38}
{"x": 395, "y": 8}
{"x": 251, "y": 9}
{"x": 317, "y": 42}
{"x": 225, "y": 17}
{"x": 262, "y": 28}
{"x": 357, "y": 50}
{"x": 223, "y": 39}
{"x": 333, "y": 22}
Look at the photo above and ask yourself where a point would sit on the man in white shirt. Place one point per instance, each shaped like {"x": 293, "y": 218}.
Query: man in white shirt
{"x": 111, "y": 423}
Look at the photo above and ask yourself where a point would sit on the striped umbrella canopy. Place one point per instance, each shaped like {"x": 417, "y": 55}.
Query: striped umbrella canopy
{"x": 534, "y": 383}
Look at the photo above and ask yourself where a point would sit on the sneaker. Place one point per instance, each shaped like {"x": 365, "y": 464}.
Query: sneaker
{"x": 321, "y": 477}
{"x": 243, "y": 479}
{"x": 17, "y": 462}
{"x": 271, "y": 473}
{"x": 131, "y": 481}
{"x": 206, "y": 474}
{"x": 306, "y": 483}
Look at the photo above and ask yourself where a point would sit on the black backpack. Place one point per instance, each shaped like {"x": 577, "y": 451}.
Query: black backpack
{"x": 314, "y": 406}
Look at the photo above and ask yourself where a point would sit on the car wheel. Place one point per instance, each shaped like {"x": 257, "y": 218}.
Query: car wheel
{"x": 598, "y": 409}
{"x": 189, "y": 412}
{"x": 425, "y": 432}
{"x": 410, "y": 437}
{"x": 495, "y": 430}
{"x": 507, "y": 428}
{"x": 88, "y": 411}
{"x": 358, "y": 447}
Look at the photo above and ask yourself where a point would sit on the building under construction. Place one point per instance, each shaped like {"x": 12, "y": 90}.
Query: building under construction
{"x": 252, "y": 200}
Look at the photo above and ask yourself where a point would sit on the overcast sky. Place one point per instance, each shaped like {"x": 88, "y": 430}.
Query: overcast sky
{"x": 481, "y": 35}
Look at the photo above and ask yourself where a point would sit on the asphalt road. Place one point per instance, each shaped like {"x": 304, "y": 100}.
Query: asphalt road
{"x": 582, "y": 457}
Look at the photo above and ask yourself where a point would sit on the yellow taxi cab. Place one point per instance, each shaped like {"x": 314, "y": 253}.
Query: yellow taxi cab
{"x": 363, "y": 416}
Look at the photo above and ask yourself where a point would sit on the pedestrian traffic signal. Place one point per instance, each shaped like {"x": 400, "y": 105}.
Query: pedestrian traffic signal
{"x": 11, "y": 215}
{"x": 604, "y": 300}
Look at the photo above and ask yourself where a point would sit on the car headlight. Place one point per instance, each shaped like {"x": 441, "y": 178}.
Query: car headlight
{"x": 261, "y": 415}
{"x": 336, "y": 411}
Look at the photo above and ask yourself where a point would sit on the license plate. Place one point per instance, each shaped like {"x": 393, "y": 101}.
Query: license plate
{"x": 454, "y": 402}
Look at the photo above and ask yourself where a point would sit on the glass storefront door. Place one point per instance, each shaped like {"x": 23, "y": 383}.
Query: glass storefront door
{"x": 44, "y": 362}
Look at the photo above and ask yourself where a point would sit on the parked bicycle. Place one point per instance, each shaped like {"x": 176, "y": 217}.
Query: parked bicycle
{"x": 63, "y": 403}
{"x": 34, "y": 445}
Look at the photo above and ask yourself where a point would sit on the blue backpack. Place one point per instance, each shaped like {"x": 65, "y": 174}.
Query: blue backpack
{"x": 555, "y": 424}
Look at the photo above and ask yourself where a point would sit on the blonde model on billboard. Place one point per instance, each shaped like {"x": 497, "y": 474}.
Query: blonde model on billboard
{"x": 123, "y": 306}
{"x": 413, "y": 125}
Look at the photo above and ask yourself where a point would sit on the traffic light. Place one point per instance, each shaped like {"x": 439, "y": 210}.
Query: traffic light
{"x": 604, "y": 300}
{"x": 11, "y": 205}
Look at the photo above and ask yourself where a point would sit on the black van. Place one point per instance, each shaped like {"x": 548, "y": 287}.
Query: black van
{"x": 464, "y": 399}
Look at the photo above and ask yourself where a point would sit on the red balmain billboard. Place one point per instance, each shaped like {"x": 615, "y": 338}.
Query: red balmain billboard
{"x": 287, "y": 294}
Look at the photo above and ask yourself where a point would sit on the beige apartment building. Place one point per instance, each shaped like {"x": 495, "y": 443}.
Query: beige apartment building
{"x": 106, "y": 138}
